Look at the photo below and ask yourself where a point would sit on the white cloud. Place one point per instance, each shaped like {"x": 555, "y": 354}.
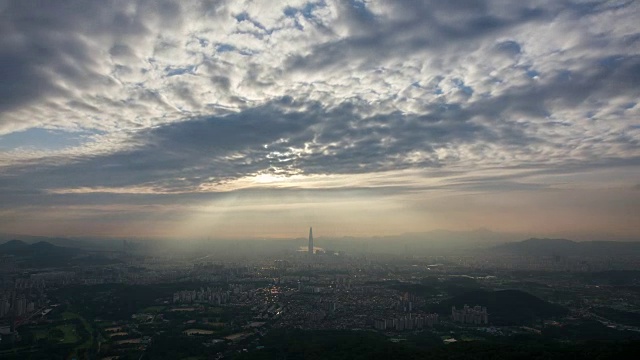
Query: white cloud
{"x": 355, "y": 87}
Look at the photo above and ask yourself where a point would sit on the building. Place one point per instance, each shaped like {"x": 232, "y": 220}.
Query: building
{"x": 5, "y": 306}
{"x": 467, "y": 315}
{"x": 380, "y": 324}
{"x": 407, "y": 322}
{"x": 311, "y": 241}
{"x": 404, "y": 306}
{"x": 21, "y": 306}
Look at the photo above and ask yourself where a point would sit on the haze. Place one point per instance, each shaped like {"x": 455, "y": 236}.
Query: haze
{"x": 259, "y": 118}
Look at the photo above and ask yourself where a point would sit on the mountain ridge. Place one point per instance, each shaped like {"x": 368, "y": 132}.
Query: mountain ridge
{"x": 566, "y": 247}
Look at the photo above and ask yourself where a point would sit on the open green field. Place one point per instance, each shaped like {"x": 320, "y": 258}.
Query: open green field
{"x": 68, "y": 315}
{"x": 40, "y": 334}
{"x": 70, "y": 333}
{"x": 63, "y": 333}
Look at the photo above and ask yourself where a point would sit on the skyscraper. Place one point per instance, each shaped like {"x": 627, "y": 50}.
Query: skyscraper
{"x": 310, "y": 241}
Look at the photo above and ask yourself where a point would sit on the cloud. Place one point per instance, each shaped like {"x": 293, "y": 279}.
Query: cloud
{"x": 115, "y": 65}
{"x": 287, "y": 138}
{"x": 167, "y": 97}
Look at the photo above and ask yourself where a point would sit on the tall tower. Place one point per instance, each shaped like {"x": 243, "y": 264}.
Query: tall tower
{"x": 310, "y": 241}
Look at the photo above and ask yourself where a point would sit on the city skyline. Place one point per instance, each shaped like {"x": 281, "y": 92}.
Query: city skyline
{"x": 244, "y": 119}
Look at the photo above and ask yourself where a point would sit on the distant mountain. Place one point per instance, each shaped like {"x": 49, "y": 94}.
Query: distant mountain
{"x": 505, "y": 307}
{"x": 564, "y": 247}
{"x": 21, "y": 248}
{"x": 43, "y": 245}
{"x": 44, "y": 254}
{"x": 537, "y": 247}
{"x": 13, "y": 245}
{"x": 436, "y": 242}
{"x": 61, "y": 241}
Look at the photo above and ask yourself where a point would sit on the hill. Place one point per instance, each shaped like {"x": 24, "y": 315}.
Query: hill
{"x": 505, "y": 307}
{"x": 12, "y": 245}
{"x": 44, "y": 254}
{"x": 564, "y": 247}
{"x": 21, "y": 248}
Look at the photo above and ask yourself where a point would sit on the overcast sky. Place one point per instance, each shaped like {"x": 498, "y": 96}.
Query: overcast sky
{"x": 362, "y": 117}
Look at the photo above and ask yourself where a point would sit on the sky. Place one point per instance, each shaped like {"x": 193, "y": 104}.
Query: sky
{"x": 358, "y": 117}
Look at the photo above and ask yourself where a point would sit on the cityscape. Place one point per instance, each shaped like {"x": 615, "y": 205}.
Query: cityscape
{"x": 132, "y": 301}
{"x": 319, "y": 179}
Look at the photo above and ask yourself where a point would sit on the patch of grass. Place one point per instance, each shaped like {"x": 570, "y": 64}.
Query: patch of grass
{"x": 40, "y": 334}
{"x": 89, "y": 329}
{"x": 69, "y": 331}
{"x": 68, "y": 315}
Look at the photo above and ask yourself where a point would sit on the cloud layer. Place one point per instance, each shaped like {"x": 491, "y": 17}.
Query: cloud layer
{"x": 167, "y": 98}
